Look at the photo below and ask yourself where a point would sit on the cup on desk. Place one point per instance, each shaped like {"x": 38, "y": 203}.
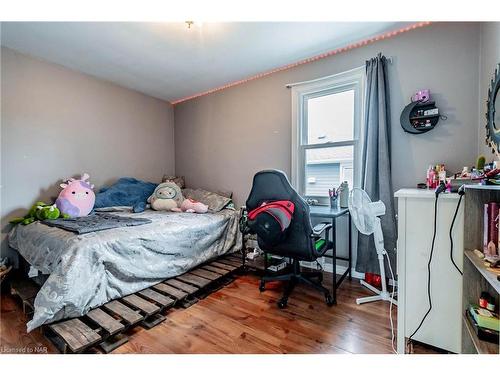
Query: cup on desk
{"x": 334, "y": 201}
{"x": 334, "y": 197}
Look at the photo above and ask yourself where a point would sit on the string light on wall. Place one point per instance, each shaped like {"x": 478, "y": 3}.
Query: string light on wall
{"x": 308, "y": 60}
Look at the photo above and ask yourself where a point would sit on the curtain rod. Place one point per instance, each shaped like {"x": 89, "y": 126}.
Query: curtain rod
{"x": 290, "y": 85}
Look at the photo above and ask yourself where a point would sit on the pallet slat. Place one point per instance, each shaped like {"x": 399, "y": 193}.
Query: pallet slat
{"x": 205, "y": 273}
{"x": 144, "y": 306}
{"x": 223, "y": 266}
{"x": 193, "y": 279}
{"x": 235, "y": 257}
{"x": 159, "y": 298}
{"x": 182, "y": 286}
{"x": 220, "y": 271}
{"x": 106, "y": 321}
{"x": 140, "y": 303}
{"x": 124, "y": 312}
{"x": 76, "y": 334}
{"x": 231, "y": 262}
{"x": 170, "y": 290}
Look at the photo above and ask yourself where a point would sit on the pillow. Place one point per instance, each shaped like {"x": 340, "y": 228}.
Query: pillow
{"x": 225, "y": 193}
{"x": 127, "y": 191}
{"x": 179, "y": 180}
{"x": 215, "y": 202}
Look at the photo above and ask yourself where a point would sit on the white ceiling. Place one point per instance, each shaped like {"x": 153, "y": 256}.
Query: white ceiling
{"x": 170, "y": 61}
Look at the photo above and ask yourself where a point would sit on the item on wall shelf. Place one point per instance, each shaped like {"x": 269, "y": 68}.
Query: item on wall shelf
{"x": 490, "y": 228}
{"x": 493, "y": 114}
{"x": 483, "y": 317}
{"x": 77, "y": 197}
{"x": 481, "y": 331}
{"x": 421, "y": 115}
{"x": 421, "y": 96}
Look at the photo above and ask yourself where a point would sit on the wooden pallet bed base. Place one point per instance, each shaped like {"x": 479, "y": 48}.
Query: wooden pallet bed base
{"x": 105, "y": 327}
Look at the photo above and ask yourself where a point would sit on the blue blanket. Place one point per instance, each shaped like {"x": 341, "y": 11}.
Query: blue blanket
{"x": 127, "y": 191}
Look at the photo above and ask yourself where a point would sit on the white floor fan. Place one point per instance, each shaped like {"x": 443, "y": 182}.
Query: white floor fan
{"x": 366, "y": 216}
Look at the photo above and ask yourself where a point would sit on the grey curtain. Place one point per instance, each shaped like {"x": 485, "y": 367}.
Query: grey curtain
{"x": 376, "y": 164}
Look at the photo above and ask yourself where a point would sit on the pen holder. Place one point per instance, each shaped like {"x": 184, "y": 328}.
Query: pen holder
{"x": 334, "y": 202}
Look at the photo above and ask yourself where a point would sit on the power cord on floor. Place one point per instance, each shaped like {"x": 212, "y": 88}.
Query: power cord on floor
{"x": 391, "y": 304}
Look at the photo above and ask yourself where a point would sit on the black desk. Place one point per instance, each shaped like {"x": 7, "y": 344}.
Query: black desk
{"x": 333, "y": 214}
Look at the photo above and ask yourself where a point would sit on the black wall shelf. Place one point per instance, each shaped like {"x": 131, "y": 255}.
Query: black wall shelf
{"x": 413, "y": 123}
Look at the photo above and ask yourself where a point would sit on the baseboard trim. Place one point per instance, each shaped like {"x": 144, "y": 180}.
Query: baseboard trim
{"x": 340, "y": 271}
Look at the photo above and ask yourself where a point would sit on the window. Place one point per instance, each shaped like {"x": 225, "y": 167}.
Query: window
{"x": 326, "y": 133}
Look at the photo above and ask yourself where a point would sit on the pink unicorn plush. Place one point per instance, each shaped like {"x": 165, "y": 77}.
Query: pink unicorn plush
{"x": 77, "y": 197}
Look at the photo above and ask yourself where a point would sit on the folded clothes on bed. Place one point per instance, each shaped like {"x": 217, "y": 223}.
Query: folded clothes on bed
{"x": 96, "y": 222}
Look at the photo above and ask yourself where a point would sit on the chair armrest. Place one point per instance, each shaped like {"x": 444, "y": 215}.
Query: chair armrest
{"x": 321, "y": 232}
{"x": 320, "y": 228}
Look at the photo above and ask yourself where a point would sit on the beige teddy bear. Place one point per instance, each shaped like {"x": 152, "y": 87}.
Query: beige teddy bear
{"x": 166, "y": 197}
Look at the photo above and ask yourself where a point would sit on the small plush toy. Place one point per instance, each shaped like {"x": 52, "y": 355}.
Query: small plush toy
{"x": 190, "y": 205}
{"x": 77, "y": 197}
{"x": 39, "y": 211}
{"x": 166, "y": 197}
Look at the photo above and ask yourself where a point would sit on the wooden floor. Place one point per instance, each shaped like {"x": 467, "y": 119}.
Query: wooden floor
{"x": 240, "y": 319}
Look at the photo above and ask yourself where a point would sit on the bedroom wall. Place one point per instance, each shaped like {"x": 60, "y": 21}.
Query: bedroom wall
{"x": 57, "y": 123}
{"x": 489, "y": 59}
{"x": 224, "y": 138}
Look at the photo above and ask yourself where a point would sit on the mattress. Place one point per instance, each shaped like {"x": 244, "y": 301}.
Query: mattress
{"x": 88, "y": 270}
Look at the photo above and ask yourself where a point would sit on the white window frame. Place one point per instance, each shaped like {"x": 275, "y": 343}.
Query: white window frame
{"x": 350, "y": 80}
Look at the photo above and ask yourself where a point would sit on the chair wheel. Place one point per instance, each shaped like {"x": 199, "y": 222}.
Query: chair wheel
{"x": 282, "y": 303}
{"x": 329, "y": 300}
{"x": 262, "y": 286}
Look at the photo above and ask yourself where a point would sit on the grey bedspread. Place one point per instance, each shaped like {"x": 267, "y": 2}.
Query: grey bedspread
{"x": 89, "y": 270}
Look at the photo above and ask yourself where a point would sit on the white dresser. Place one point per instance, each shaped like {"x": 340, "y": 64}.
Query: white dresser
{"x": 442, "y": 327}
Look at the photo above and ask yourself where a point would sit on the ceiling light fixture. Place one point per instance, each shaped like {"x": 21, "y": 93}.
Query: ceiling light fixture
{"x": 189, "y": 24}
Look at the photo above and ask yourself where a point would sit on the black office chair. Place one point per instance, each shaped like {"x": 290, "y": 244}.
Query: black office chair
{"x": 300, "y": 241}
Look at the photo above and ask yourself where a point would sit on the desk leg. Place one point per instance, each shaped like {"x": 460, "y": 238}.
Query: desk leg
{"x": 350, "y": 248}
{"x": 334, "y": 259}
